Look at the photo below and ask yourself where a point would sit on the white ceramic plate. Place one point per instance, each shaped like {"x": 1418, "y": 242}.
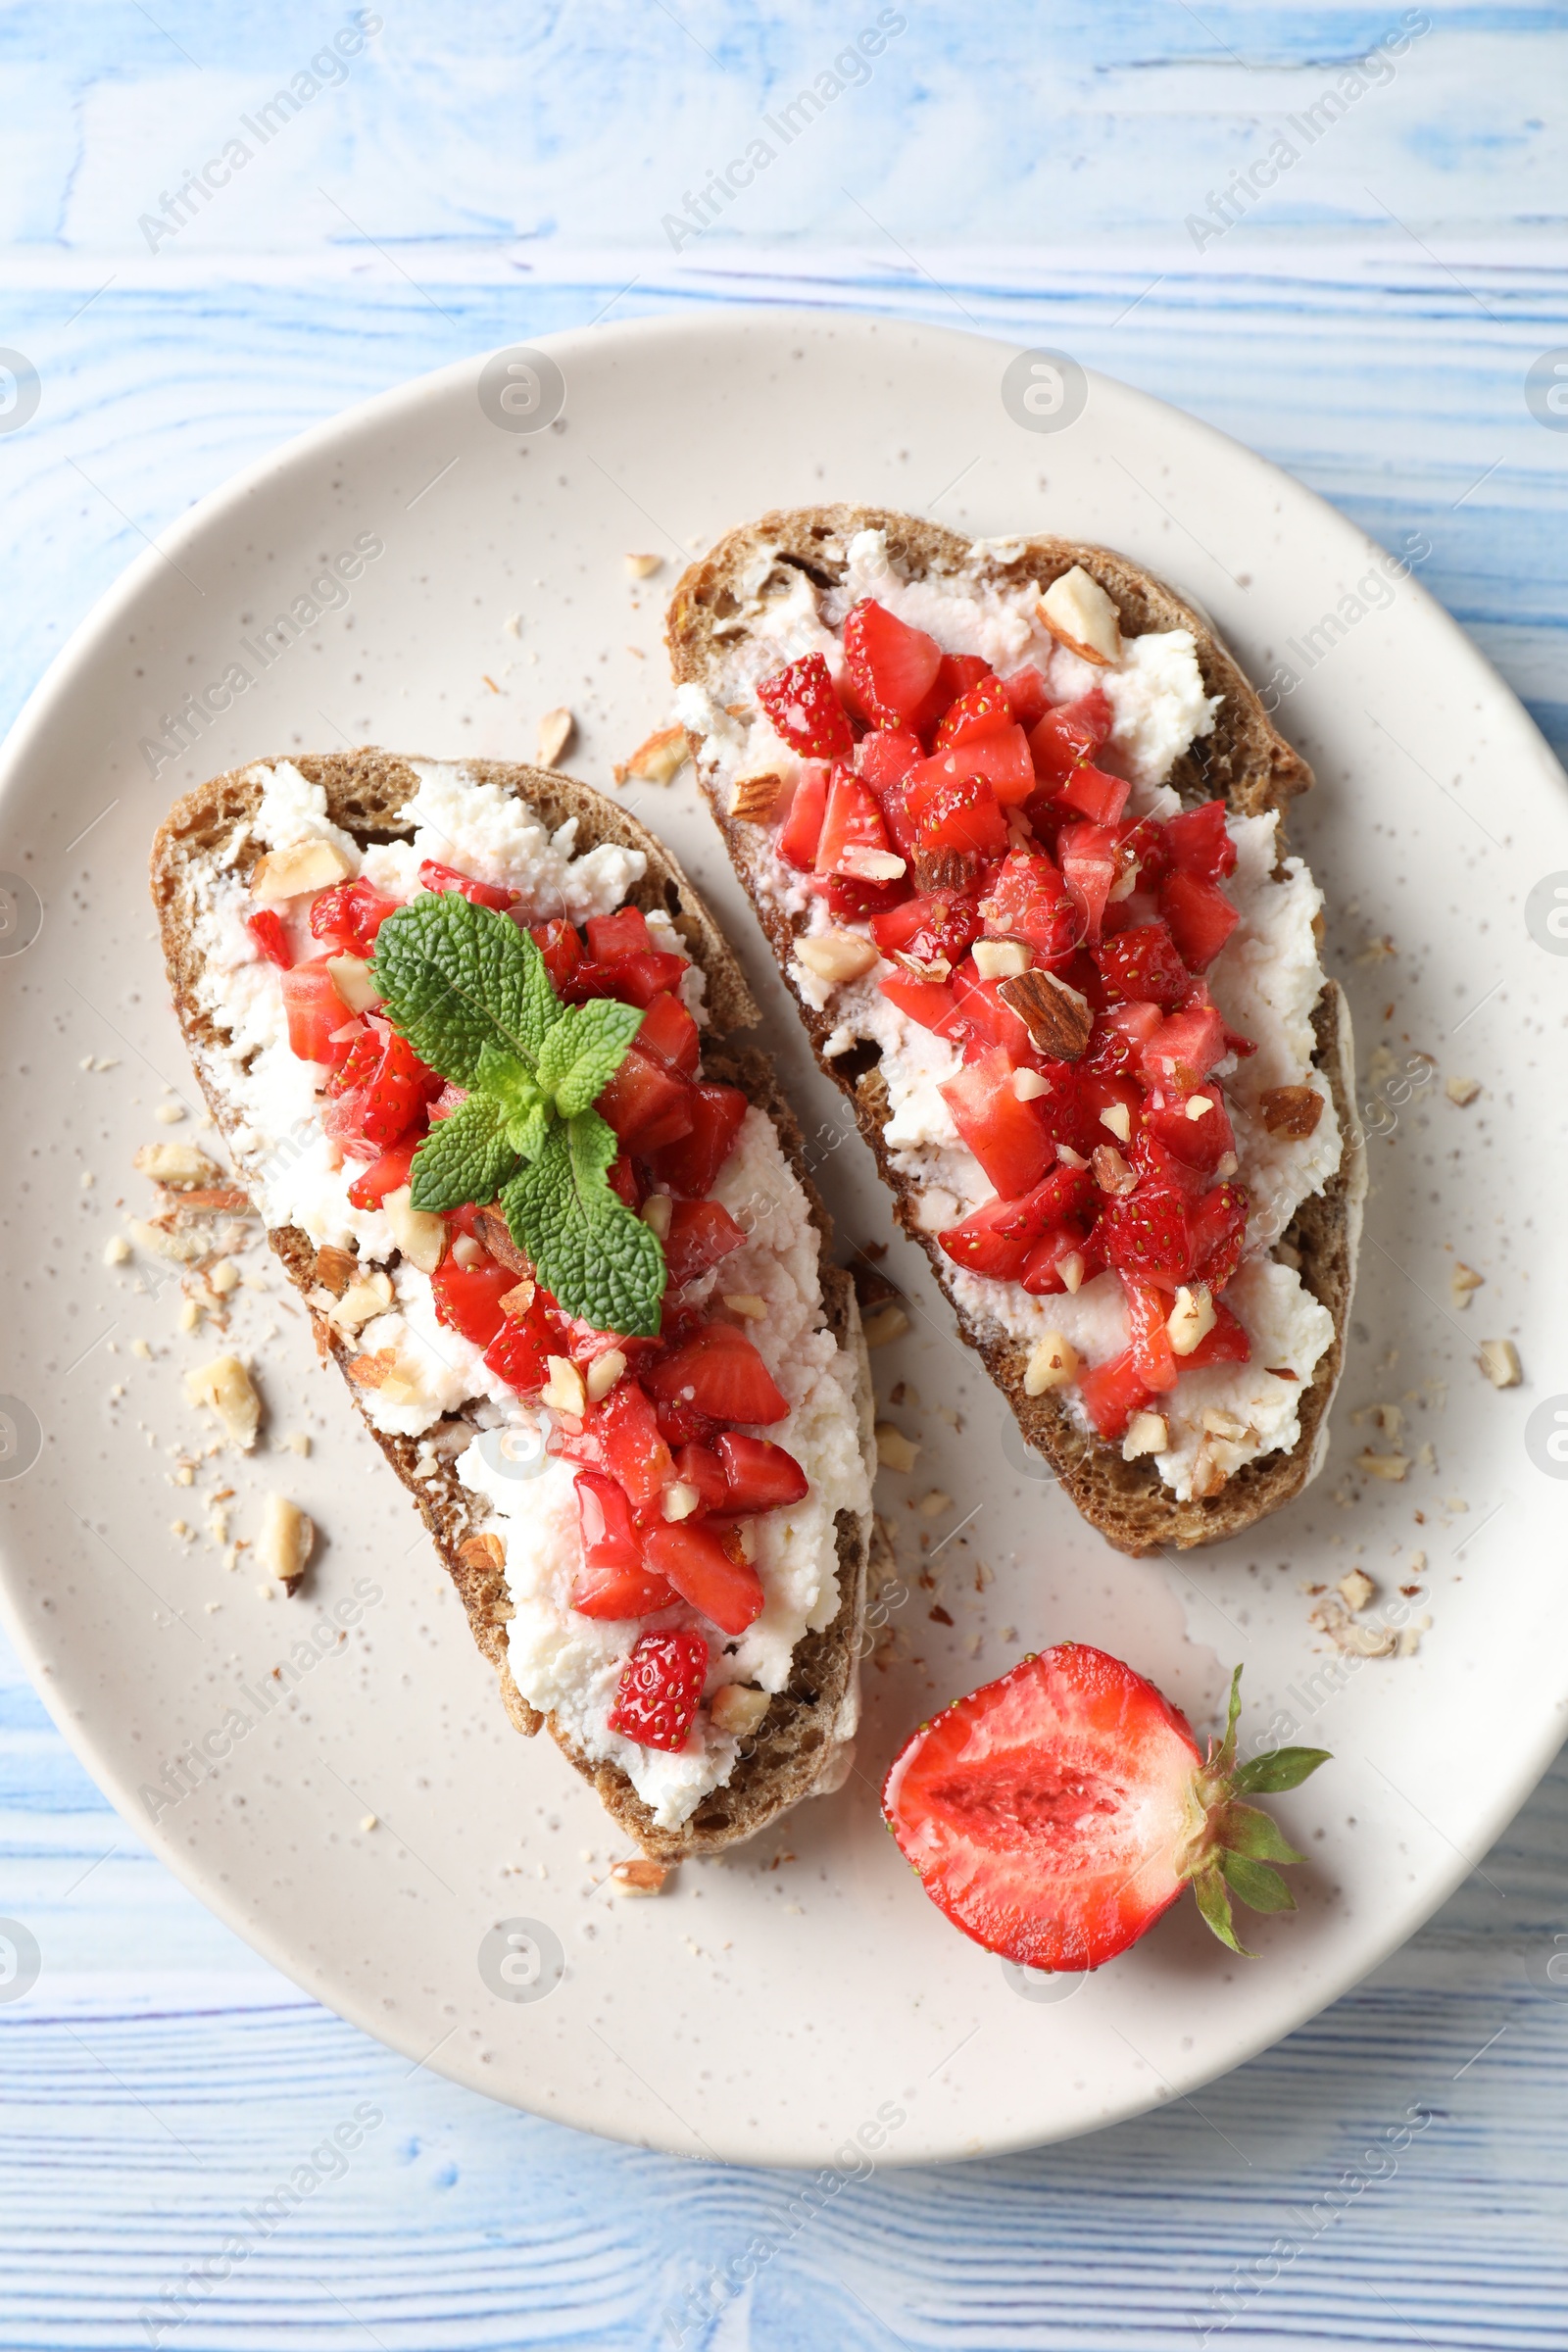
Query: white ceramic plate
{"x": 784, "y": 2000}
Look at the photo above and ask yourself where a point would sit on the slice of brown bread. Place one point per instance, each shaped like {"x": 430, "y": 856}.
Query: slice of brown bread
{"x": 800, "y": 1745}
{"x": 1248, "y": 762}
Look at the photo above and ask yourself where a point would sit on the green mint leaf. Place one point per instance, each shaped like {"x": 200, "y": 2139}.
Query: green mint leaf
{"x": 1255, "y": 1884}
{"x": 599, "y": 1261}
{"x": 583, "y": 1049}
{"x": 464, "y": 1158}
{"x": 529, "y": 1131}
{"x": 1285, "y": 1768}
{"x": 456, "y": 978}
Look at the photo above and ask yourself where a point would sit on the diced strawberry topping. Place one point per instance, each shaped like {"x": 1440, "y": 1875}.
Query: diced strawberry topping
{"x": 1146, "y": 1234}
{"x": 632, "y": 1446}
{"x": 956, "y": 674}
{"x": 397, "y": 1093}
{"x": 1028, "y": 695}
{"x": 1199, "y": 842}
{"x": 613, "y": 1582}
{"x": 433, "y": 875}
{"x": 691, "y": 1165}
{"x": 1028, "y": 900}
{"x": 647, "y": 1104}
{"x": 725, "y": 1590}
{"x": 954, "y": 810}
{"x": 930, "y": 1003}
{"x": 1143, "y": 963}
{"x": 983, "y": 710}
{"x": 806, "y": 711}
{"x": 1069, "y": 735}
{"x": 1219, "y": 1234}
{"x": 1090, "y": 792}
{"x": 759, "y": 1475}
{"x": 885, "y": 757}
{"x": 892, "y": 668}
{"x": 1226, "y": 1344}
{"x": 998, "y": 1238}
{"x": 316, "y": 1013}
{"x": 802, "y": 823}
{"x": 388, "y": 1174}
{"x": 854, "y": 840}
{"x": 940, "y": 923}
{"x": 1090, "y": 858}
{"x": 1201, "y": 916}
{"x": 698, "y": 1466}
{"x": 660, "y": 1690}
{"x": 467, "y": 1298}
{"x": 265, "y": 927}
{"x": 1006, "y": 1137}
{"x": 348, "y": 916}
{"x": 1112, "y": 1392}
{"x": 1184, "y": 1049}
{"x": 623, "y": 932}
{"x": 1148, "y": 1321}
{"x": 701, "y": 1233}
{"x": 557, "y": 943}
{"x": 1199, "y": 1143}
{"x": 518, "y": 1352}
{"x": 989, "y": 1018}
{"x": 669, "y": 1034}
{"x": 722, "y": 1374}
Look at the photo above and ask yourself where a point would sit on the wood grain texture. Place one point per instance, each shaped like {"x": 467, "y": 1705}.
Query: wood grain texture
{"x": 470, "y": 181}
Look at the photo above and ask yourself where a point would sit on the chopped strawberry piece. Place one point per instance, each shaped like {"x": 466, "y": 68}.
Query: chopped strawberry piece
{"x": 1147, "y": 1315}
{"x": 632, "y": 1446}
{"x": 518, "y": 1353}
{"x": 956, "y": 674}
{"x": 854, "y": 901}
{"x": 1090, "y": 858}
{"x": 557, "y": 943}
{"x": 623, "y": 932}
{"x": 1101, "y": 1091}
{"x": 1006, "y": 1137}
{"x": 647, "y": 1104}
{"x": 1142, "y": 964}
{"x": 938, "y": 924}
{"x": 1043, "y": 1275}
{"x": 354, "y": 1071}
{"x": 1219, "y": 1234}
{"x": 1112, "y": 1392}
{"x": 316, "y": 1013}
{"x": 348, "y": 916}
{"x": 1028, "y": 695}
{"x": 892, "y": 668}
{"x": 722, "y": 1374}
{"x": 930, "y": 1003}
{"x": 1069, "y": 735}
{"x": 1199, "y": 842}
{"x": 1049, "y": 1814}
{"x": 885, "y": 757}
{"x": 613, "y": 1582}
{"x": 1159, "y": 1168}
{"x": 989, "y": 1018}
{"x": 983, "y": 709}
{"x": 388, "y": 1174}
{"x": 1090, "y": 792}
{"x": 1200, "y": 917}
{"x": 621, "y": 1178}
{"x": 699, "y": 1466}
{"x": 725, "y": 1590}
{"x": 398, "y": 1092}
{"x": 1226, "y": 1344}
{"x": 669, "y": 1034}
{"x": 803, "y": 824}
{"x": 433, "y": 875}
{"x": 806, "y": 711}
{"x": 701, "y": 1233}
{"x": 759, "y": 1475}
{"x": 658, "y": 1693}
{"x": 631, "y": 979}
{"x": 265, "y": 927}
{"x": 467, "y": 1298}
{"x": 1200, "y": 1143}
{"x": 1184, "y": 1049}
{"x": 681, "y": 1424}
{"x": 450, "y": 1099}
{"x": 998, "y": 1238}
{"x": 854, "y": 840}
{"x": 954, "y": 810}
{"x": 1146, "y": 1234}
{"x": 1028, "y": 900}
{"x": 1004, "y": 762}
{"x": 691, "y": 1165}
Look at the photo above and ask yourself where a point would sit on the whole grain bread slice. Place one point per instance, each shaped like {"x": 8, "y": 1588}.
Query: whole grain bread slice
{"x": 1246, "y": 762}
{"x": 800, "y": 1747}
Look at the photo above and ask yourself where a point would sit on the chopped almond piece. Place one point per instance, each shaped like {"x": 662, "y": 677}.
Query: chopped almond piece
{"x": 656, "y": 759}
{"x": 285, "y": 1541}
{"x": 225, "y": 1387}
{"x": 837, "y": 955}
{"x": 754, "y": 799}
{"x": 1057, "y": 1017}
{"x": 1461, "y": 1090}
{"x": 738, "y": 1709}
{"x": 306, "y": 866}
{"x": 642, "y": 567}
{"x": 639, "y": 1875}
{"x": 179, "y": 1165}
{"x": 1080, "y": 616}
{"x": 1462, "y": 1281}
{"x": 1499, "y": 1361}
{"x": 486, "y": 1554}
{"x": 556, "y": 730}
{"x": 1391, "y": 1466}
{"x": 1191, "y": 1319}
{"x": 1053, "y": 1363}
{"x": 894, "y": 1450}
{"x": 1293, "y": 1111}
{"x": 565, "y": 1391}
{"x": 884, "y": 1324}
{"x": 334, "y": 1267}
{"x": 1357, "y": 1589}
{"x": 1147, "y": 1433}
{"x": 1000, "y": 959}
{"x": 602, "y": 1372}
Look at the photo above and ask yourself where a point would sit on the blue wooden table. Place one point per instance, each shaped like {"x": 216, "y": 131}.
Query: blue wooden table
{"x": 1336, "y": 233}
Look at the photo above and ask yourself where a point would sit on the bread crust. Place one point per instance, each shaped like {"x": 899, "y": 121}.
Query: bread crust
{"x": 791, "y": 1753}
{"x": 1246, "y": 762}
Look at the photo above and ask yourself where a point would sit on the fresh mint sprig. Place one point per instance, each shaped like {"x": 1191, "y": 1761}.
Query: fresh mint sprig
{"x": 472, "y": 992}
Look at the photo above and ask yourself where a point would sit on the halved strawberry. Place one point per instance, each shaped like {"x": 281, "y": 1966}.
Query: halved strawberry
{"x": 1055, "y": 1815}
{"x": 722, "y": 1374}
{"x": 892, "y": 668}
{"x": 806, "y": 711}
{"x": 726, "y": 1590}
{"x": 660, "y": 1690}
